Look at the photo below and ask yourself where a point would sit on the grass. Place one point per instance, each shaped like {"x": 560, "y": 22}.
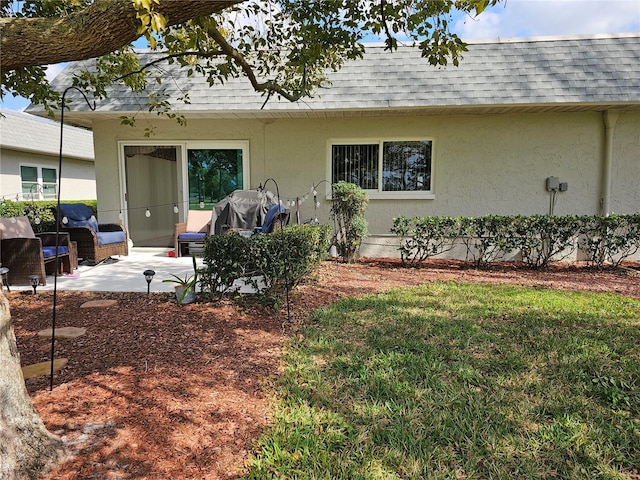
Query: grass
{"x": 458, "y": 381}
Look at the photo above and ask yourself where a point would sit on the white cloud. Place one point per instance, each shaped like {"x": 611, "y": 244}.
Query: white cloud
{"x": 525, "y": 18}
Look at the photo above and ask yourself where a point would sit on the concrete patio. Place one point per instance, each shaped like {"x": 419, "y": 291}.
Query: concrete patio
{"x": 123, "y": 273}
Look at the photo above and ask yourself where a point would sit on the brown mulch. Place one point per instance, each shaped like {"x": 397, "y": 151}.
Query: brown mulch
{"x": 160, "y": 391}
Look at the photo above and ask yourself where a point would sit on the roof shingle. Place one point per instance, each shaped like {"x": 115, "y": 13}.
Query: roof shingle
{"x": 544, "y": 71}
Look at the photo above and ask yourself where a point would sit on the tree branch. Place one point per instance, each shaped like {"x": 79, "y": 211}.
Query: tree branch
{"x": 164, "y": 58}
{"x": 268, "y": 86}
{"x": 390, "y": 41}
{"x": 102, "y": 27}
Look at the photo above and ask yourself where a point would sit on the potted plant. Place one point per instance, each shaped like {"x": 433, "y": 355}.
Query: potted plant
{"x": 185, "y": 287}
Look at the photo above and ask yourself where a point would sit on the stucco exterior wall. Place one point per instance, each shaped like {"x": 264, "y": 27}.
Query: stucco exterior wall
{"x": 625, "y": 184}
{"x": 78, "y": 176}
{"x": 481, "y": 164}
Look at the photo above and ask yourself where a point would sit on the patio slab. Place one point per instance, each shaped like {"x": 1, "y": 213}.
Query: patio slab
{"x": 123, "y": 273}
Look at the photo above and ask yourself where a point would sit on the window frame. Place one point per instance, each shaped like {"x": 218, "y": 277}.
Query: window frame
{"x": 379, "y": 193}
{"x": 182, "y": 146}
{"x": 39, "y": 193}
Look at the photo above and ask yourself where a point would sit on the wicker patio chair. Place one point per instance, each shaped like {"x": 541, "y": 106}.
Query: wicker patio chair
{"x": 96, "y": 241}
{"x": 25, "y": 253}
{"x": 192, "y": 232}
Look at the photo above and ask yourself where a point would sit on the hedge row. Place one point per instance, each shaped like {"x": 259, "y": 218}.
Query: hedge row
{"x": 39, "y": 212}
{"x": 539, "y": 239}
{"x": 270, "y": 263}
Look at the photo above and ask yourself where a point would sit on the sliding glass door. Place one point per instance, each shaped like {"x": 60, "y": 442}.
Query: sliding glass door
{"x": 162, "y": 183}
{"x": 151, "y": 173}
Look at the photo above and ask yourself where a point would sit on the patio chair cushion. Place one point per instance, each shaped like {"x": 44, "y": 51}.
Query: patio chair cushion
{"x": 107, "y": 238}
{"x": 191, "y": 236}
{"x": 21, "y": 228}
{"x": 198, "y": 221}
{"x": 272, "y": 213}
{"x": 79, "y": 215}
{"x": 51, "y": 251}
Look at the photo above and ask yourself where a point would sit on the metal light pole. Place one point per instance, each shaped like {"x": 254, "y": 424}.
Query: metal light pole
{"x": 286, "y": 263}
{"x": 55, "y": 273}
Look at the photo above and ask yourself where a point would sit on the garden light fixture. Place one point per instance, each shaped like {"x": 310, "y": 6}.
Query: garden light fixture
{"x": 35, "y": 281}
{"x": 5, "y": 281}
{"x": 148, "y": 276}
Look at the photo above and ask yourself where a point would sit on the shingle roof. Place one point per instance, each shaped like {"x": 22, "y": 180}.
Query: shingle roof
{"x": 20, "y": 131}
{"x": 551, "y": 72}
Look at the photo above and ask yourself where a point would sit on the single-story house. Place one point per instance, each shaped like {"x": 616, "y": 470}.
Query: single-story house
{"x": 481, "y": 138}
{"x": 29, "y": 159}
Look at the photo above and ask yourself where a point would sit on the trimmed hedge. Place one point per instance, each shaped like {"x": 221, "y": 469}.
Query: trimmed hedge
{"x": 268, "y": 262}
{"x": 539, "y": 239}
{"x": 39, "y": 209}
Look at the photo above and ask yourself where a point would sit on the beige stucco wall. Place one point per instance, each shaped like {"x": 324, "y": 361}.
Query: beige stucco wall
{"x": 78, "y": 176}
{"x": 625, "y": 184}
{"x": 481, "y": 164}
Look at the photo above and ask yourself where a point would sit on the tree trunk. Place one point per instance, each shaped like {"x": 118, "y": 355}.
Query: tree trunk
{"x": 27, "y": 449}
{"x": 102, "y": 27}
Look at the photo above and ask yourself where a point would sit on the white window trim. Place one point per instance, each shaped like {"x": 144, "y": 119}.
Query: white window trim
{"x": 39, "y": 194}
{"x": 380, "y": 194}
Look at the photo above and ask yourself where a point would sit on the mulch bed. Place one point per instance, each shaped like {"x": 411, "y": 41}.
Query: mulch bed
{"x": 155, "y": 390}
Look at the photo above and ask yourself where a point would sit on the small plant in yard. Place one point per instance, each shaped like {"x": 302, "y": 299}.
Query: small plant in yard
{"x": 186, "y": 284}
{"x": 452, "y": 380}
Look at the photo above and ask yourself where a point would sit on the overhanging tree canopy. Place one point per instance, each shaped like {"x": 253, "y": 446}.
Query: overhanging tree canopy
{"x": 282, "y": 47}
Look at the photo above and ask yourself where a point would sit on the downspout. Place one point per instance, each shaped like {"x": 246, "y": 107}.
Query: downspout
{"x": 610, "y": 118}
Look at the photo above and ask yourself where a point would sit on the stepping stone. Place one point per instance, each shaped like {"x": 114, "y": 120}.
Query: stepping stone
{"x": 43, "y": 368}
{"x": 64, "y": 332}
{"x": 99, "y": 304}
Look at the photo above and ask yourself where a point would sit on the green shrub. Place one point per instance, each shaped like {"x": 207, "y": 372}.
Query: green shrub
{"x": 486, "y": 239}
{"x": 544, "y": 238}
{"x": 540, "y": 239}
{"x": 270, "y": 263}
{"x": 285, "y": 257}
{"x": 347, "y": 209}
{"x": 225, "y": 258}
{"x": 424, "y": 237}
{"x": 610, "y": 239}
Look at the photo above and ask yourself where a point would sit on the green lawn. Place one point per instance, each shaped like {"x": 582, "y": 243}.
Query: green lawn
{"x": 461, "y": 381}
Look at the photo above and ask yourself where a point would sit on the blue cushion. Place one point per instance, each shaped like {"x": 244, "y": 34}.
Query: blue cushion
{"x": 192, "y": 236}
{"x": 107, "y": 238}
{"x": 51, "y": 251}
{"x": 274, "y": 210}
{"x": 78, "y": 215}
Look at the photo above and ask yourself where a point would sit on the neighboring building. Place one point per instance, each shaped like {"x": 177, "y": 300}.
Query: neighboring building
{"x": 477, "y": 139}
{"x": 29, "y": 159}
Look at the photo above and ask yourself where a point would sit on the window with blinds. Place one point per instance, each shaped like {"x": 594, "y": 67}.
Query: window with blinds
{"x": 385, "y": 166}
{"x": 356, "y": 164}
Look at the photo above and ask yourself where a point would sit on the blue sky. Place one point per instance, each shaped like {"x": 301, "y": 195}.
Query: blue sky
{"x": 519, "y": 18}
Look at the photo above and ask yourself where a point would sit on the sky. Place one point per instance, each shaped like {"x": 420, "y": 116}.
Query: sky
{"x": 516, "y": 18}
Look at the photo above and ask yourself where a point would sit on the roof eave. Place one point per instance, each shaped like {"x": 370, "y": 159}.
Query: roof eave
{"x": 86, "y": 118}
